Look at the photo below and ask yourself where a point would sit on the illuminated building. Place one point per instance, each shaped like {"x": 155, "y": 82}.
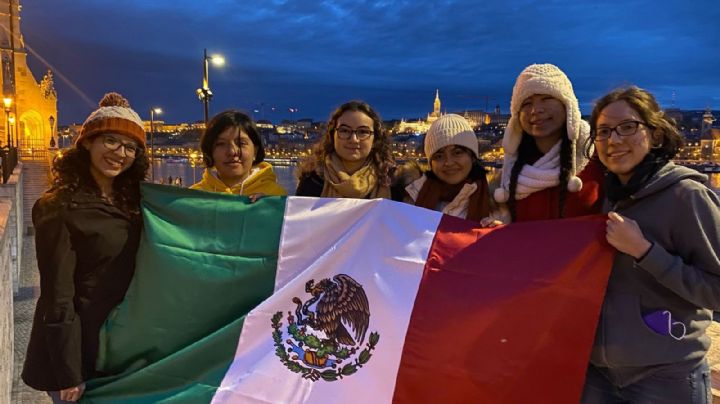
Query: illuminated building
{"x": 34, "y": 105}
{"x": 422, "y": 126}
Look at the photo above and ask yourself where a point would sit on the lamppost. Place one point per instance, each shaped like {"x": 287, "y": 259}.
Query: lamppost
{"x": 7, "y": 101}
{"x": 153, "y": 111}
{"x": 52, "y": 131}
{"x": 13, "y": 132}
{"x": 204, "y": 93}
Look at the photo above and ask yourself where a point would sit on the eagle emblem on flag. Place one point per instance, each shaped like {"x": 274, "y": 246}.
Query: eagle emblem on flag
{"x": 325, "y": 336}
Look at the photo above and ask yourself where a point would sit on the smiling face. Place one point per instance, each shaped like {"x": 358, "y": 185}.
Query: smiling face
{"x": 543, "y": 117}
{"x": 621, "y": 154}
{"x": 353, "y": 151}
{"x": 106, "y": 163}
{"x": 233, "y": 155}
{"x": 452, "y": 164}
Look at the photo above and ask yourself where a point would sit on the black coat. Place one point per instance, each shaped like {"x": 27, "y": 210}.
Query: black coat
{"x": 310, "y": 185}
{"x": 85, "y": 251}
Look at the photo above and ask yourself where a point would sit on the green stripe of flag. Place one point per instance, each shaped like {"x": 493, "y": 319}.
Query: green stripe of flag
{"x": 201, "y": 267}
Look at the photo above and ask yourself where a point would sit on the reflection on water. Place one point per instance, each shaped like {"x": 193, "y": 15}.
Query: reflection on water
{"x": 285, "y": 174}
{"x": 191, "y": 174}
{"x": 164, "y": 171}
{"x": 286, "y": 177}
{"x": 715, "y": 181}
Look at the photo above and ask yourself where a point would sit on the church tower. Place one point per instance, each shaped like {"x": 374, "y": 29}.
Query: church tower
{"x": 31, "y": 117}
{"x": 433, "y": 116}
{"x": 708, "y": 142}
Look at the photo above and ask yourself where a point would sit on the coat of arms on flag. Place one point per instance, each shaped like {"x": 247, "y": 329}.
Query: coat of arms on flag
{"x": 326, "y": 342}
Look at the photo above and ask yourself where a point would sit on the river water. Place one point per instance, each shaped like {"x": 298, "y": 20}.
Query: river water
{"x": 286, "y": 174}
{"x": 191, "y": 174}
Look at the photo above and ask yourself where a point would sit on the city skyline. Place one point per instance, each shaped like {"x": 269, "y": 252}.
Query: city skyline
{"x": 299, "y": 54}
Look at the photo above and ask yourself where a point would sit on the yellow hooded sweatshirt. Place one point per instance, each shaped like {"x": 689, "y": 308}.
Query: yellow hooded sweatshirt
{"x": 261, "y": 180}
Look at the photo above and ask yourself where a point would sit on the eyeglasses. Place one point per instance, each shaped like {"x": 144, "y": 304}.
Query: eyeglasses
{"x": 363, "y": 132}
{"x": 114, "y": 144}
{"x": 627, "y": 128}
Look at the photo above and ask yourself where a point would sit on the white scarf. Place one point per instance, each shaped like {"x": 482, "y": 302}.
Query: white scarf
{"x": 544, "y": 173}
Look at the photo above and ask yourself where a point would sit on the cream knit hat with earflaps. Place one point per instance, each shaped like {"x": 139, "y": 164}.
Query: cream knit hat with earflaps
{"x": 450, "y": 129}
{"x": 544, "y": 79}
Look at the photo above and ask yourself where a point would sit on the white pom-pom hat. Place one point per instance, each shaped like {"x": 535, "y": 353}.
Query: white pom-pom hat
{"x": 550, "y": 80}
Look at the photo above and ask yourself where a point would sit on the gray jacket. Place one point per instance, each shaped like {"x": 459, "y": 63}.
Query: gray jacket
{"x": 680, "y": 274}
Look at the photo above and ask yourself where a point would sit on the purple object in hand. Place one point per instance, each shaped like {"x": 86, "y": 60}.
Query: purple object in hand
{"x": 658, "y": 321}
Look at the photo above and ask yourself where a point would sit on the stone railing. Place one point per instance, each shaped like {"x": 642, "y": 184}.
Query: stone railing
{"x": 11, "y": 237}
{"x": 13, "y": 191}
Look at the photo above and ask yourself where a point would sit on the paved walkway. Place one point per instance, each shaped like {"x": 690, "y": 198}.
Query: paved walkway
{"x": 24, "y": 308}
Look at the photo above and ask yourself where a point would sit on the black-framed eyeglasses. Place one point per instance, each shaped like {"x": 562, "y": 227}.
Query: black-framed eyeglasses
{"x": 114, "y": 144}
{"x": 627, "y": 128}
{"x": 362, "y": 133}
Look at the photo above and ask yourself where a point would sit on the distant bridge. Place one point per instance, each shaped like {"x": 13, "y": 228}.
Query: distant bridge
{"x": 705, "y": 167}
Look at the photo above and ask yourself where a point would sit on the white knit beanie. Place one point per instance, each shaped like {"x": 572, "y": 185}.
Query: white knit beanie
{"x": 114, "y": 115}
{"x": 450, "y": 129}
{"x": 545, "y": 79}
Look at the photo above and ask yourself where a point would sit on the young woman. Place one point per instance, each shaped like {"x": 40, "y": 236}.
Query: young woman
{"x": 546, "y": 174}
{"x": 665, "y": 224}
{"x": 456, "y": 183}
{"x": 354, "y": 159}
{"x": 233, "y": 154}
{"x": 87, "y": 229}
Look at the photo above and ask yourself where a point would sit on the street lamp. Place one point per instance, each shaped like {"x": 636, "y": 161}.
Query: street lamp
{"x": 204, "y": 93}
{"x": 12, "y": 131}
{"x": 52, "y": 131}
{"x": 153, "y": 111}
{"x": 7, "y": 101}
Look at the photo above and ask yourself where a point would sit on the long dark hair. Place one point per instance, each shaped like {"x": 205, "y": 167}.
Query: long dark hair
{"x": 380, "y": 153}
{"x": 526, "y": 150}
{"x": 71, "y": 174}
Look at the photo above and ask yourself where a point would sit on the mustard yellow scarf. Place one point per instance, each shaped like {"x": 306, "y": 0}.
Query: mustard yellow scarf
{"x": 362, "y": 184}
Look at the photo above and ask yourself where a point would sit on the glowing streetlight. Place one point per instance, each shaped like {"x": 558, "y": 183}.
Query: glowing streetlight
{"x": 204, "y": 93}
{"x": 153, "y": 111}
{"x": 11, "y": 119}
{"x": 7, "y": 101}
{"x": 217, "y": 60}
{"x": 51, "y": 120}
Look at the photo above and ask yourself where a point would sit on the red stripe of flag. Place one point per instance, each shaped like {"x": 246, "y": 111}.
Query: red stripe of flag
{"x": 506, "y": 316}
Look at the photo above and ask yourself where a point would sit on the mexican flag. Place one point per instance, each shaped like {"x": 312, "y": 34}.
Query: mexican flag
{"x": 310, "y": 300}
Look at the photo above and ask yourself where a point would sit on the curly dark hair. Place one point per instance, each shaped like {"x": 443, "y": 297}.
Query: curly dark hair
{"x": 528, "y": 148}
{"x": 71, "y": 173}
{"x": 230, "y": 118}
{"x": 645, "y": 104}
{"x": 380, "y": 154}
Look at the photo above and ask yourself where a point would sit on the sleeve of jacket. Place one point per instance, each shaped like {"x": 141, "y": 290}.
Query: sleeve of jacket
{"x": 692, "y": 269}
{"x": 56, "y": 310}
{"x": 276, "y": 189}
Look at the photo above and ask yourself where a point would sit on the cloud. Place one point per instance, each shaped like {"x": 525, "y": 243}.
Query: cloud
{"x": 316, "y": 52}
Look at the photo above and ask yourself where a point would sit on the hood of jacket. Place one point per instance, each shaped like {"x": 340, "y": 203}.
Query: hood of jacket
{"x": 262, "y": 180}
{"x": 667, "y": 176}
